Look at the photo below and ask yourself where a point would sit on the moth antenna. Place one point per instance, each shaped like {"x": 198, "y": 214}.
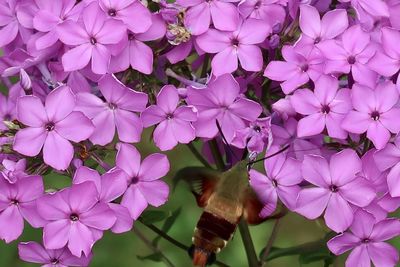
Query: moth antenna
{"x": 270, "y": 156}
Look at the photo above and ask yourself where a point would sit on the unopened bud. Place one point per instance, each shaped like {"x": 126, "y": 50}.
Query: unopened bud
{"x": 25, "y": 80}
{"x": 11, "y": 125}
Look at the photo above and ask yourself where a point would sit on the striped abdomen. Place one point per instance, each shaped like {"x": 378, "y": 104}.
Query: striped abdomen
{"x": 210, "y": 236}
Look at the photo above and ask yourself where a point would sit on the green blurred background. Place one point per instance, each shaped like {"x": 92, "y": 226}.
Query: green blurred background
{"x": 123, "y": 250}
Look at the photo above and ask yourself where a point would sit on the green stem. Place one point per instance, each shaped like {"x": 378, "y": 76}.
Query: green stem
{"x": 198, "y": 155}
{"x": 219, "y": 161}
{"x": 248, "y": 244}
{"x": 152, "y": 247}
{"x": 271, "y": 241}
{"x": 304, "y": 248}
{"x": 205, "y": 65}
{"x": 174, "y": 241}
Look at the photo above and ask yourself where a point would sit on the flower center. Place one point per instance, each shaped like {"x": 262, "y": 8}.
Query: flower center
{"x": 375, "y": 115}
{"x": 258, "y": 5}
{"x": 49, "y": 126}
{"x": 351, "y": 60}
{"x": 112, "y": 12}
{"x": 325, "y": 109}
{"x": 274, "y": 183}
{"x": 14, "y": 201}
{"x": 365, "y": 241}
{"x": 170, "y": 116}
{"x": 334, "y": 188}
{"x": 257, "y": 128}
{"x": 54, "y": 261}
{"x": 235, "y": 42}
{"x": 112, "y": 106}
{"x": 317, "y": 40}
{"x": 93, "y": 40}
{"x": 74, "y": 217}
{"x": 304, "y": 67}
{"x": 131, "y": 36}
{"x": 134, "y": 180}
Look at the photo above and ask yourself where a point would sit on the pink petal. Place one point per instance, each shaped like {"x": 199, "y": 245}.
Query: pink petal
{"x": 31, "y": 112}
{"x": 295, "y": 82}
{"x": 152, "y": 115}
{"x": 326, "y": 89}
{"x": 147, "y": 171}
{"x": 168, "y": 99}
{"x": 134, "y": 201}
{"x": 129, "y": 126}
{"x": 356, "y": 122}
{"x": 253, "y": 31}
{"x": 53, "y": 207}
{"x": 305, "y": 102}
{"x": 155, "y": 192}
{"x": 362, "y": 224}
{"x": 378, "y": 134}
{"x": 225, "y": 16}
{"x": 11, "y": 224}
{"x": 29, "y": 141}
{"x": 124, "y": 220}
{"x": 393, "y": 181}
{"x": 358, "y": 192}
{"x": 383, "y": 64}
{"x": 143, "y": 18}
{"x": 83, "y": 174}
{"x": 246, "y": 109}
{"x": 342, "y": 243}
{"x": 315, "y": 169}
{"x": 213, "y": 41}
{"x": 82, "y": 197}
{"x": 334, "y": 23}
{"x": 100, "y": 59}
{"x": 77, "y": 58}
{"x": 68, "y": 129}
{"x": 114, "y": 184}
{"x": 186, "y": 113}
{"x": 338, "y": 214}
{"x": 56, "y": 234}
{"x": 288, "y": 195}
{"x": 183, "y": 131}
{"x": 281, "y": 70}
{"x": 385, "y": 230}
{"x": 250, "y": 57}
{"x": 383, "y": 254}
{"x": 386, "y": 96}
{"x": 33, "y": 252}
{"x": 80, "y": 240}
{"x": 359, "y": 257}
{"x": 311, "y": 125}
{"x": 343, "y": 167}
{"x": 310, "y": 23}
{"x": 94, "y": 18}
{"x": 104, "y": 128}
{"x": 99, "y": 217}
{"x": 111, "y": 32}
{"x": 57, "y": 151}
{"x": 71, "y": 33}
{"x": 355, "y": 40}
{"x": 225, "y": 61}
{"x": 197, "y": 19}
{"x": 311, "y": 202}
{"x": 390, "y": 120}
{"x": 140, "y": 57}
{"x": 128, "y": 159}
{"x": 59, "y": 103}
{"x": 8, "y": 33}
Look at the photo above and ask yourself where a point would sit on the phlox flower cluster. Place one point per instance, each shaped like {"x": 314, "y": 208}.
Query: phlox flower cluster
{"x": 314, "y": 83}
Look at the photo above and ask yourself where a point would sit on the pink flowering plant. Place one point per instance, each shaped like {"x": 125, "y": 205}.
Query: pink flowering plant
{"x": 101, "y": 93}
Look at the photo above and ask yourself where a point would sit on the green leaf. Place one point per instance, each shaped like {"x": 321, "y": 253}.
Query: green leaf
{"x": 157, "y": 257}
{"x": 321, "y": 255}
{"x": 171, "y": 1}
{"x": 169, "y": 222}
{"x": 153, "y": 216}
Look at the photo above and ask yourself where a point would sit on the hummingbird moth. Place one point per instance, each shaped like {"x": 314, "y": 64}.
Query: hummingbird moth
{"x": 226, "y": 198}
